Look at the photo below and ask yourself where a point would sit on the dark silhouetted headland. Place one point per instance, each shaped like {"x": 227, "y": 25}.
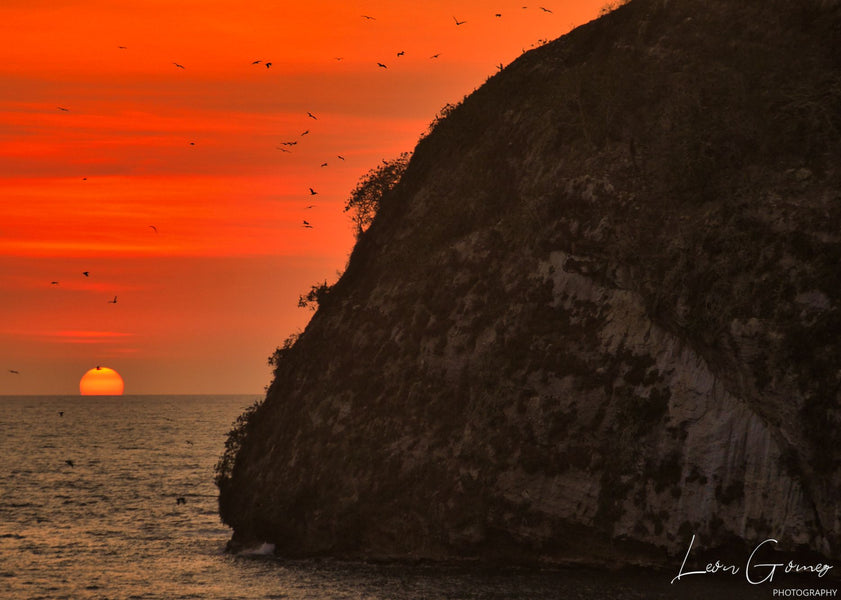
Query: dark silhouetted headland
{"x": 600, "y": 314}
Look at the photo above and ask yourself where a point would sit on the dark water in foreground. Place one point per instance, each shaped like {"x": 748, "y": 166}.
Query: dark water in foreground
{"x": 109, "y": 526}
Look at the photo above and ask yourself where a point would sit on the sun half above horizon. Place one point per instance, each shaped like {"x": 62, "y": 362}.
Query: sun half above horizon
{"x": 101, "y": 381}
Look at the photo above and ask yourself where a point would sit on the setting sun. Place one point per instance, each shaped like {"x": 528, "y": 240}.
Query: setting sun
{"x": 101, "y": 381}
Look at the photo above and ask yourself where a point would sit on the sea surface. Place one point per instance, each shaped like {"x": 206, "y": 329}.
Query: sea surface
{"x": 109, "y": 525}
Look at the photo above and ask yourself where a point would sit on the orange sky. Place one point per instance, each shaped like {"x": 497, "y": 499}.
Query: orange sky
{"x": 204, "y": 301}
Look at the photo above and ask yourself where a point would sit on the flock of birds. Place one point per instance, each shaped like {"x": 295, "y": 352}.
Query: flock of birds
{"x": 288, "y": 145}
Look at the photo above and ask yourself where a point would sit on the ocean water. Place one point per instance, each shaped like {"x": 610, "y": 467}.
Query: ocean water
{"x": 109, "y": 524}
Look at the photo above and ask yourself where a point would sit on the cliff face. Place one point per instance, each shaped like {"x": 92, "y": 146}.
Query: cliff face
{"x": 598, "y": 315}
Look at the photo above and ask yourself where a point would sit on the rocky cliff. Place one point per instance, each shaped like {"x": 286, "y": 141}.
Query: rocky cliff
{"x": 600, "y": 313}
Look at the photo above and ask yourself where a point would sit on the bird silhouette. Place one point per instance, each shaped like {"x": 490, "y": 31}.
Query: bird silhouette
{"x": 310, "y": 206}
{"x": 401, "y": 53}
{"x": 54, "y": 283}
{"x": 86, "y": 273}
{"x": 459, "y": 22}
{"x": 177, "y": 65}
{"x": 69, "y": 462}
{"x": 61, "y": 413}
{"x": 256, "y": 62}
{"x": 305, "y": 132}
{"x": 180, "y": 500}
{"x": 498, "y": 15}
{"x": 546, "y": 10}
{"x": 282, "y": 149}
{"x": 368, "y": 18}
{"x": 312, "y": 192}
{"x": 381, "y": 65}
{"x": 63, "y": 108}
{"x": 84, "y": 178}
{"x": 324, "y": 164}
{"x": 288, "y": 143}
{"x": 307, "y": 225}
{"x": 340, "y": 157}
{"x": 192, "y": 143}
{"x": 13, "y": 372}
{"x": 122, "y": 47}
{"x": 268, "y": 65}
{"x": 155, "y": 229}
{"x": 114, "y": 301}
{"x": 312, "y": 116}
{"x": 435, "y": 55}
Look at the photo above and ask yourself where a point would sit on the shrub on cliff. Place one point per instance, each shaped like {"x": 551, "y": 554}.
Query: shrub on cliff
{"x": 373, "y": 187}
{"x": 236, "y": 436}
{"x": 315, "y": 297}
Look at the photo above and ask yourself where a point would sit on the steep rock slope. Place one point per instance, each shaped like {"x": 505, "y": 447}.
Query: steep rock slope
{"x": 598, "y": 315}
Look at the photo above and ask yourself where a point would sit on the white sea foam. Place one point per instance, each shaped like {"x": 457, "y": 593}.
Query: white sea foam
{"x": 264, "y": 549}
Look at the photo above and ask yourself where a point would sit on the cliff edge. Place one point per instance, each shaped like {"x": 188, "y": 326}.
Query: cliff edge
{"x": 599, "y": 314}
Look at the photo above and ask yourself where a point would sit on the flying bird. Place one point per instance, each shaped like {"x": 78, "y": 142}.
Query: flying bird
{"x": 379, "y": 64}
{"x": 312, "y": 116}
{"x": 84, "y": 178}
{"x": 324, "y": 164}
{"x": 339, "y": 58}
{"x": 61, "y": 413}
{"x": 307, "y": 225}
{"x": 54, "y": 283}
{"x": 546, "y": 10}
{"x": 288, "y": 143}
{"x": 177, "y": 65}
{"x": 459, "y": 22}
{"x": 180, "y": 500}
{"x": 340, "y": 157}
{"x": 114, "y": 301}
{"x": 310, "y": 206}
{"x": 368, "y": 18}
{"x": 268, "y": 65}
{"x": 313, "y": 192}
{"x": 282, "y": 149}
{"x": 498, "y": 15}
{"x": 86, "y": 273}
{"x": 256, "y": 62}
{"x": 155, "y": 229}
{"x": 305, "y": 132}
{"x": 68, "y": 462}
{"x": 13, "y": 372}
{"x": 63, "y": 108}
{"x": 435, "y": 55}
{"x": 401, "y": 53}
{"x": 122, "y": 47}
